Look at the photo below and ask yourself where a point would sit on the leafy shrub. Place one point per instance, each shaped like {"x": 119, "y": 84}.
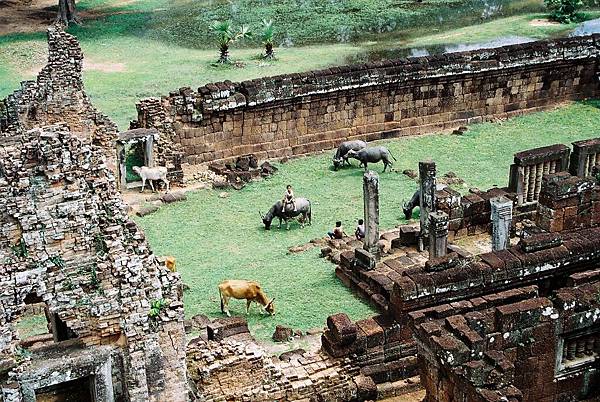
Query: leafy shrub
{"x": 156, "y": 307}
{"x": 564, "y": 11}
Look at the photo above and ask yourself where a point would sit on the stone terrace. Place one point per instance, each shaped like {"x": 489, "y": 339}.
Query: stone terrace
{"x": 533, "y": 349}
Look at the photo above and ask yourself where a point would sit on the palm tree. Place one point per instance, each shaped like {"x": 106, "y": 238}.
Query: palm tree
{"x": 226, "y": 36}
{"x": 267, "y": 38}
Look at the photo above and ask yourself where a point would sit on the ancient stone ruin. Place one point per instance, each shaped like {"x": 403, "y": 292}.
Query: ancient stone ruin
{"x": 303, "y": 113}
{"x": 66, "y": 241}
{"x": 517, "y": 319}
{"x": 58, "y": 96}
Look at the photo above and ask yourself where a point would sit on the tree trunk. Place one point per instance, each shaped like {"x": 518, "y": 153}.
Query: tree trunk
{"x": 224, "y": 57}
{"x": 269, "y": 53}
{"x": 67, "y": 12}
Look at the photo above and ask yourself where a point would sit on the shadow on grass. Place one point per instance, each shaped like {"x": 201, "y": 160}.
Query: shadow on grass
{"x": 591, "y": 102}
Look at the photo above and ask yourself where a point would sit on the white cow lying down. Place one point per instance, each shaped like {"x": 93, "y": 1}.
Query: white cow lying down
{"x": 151, "y": 173}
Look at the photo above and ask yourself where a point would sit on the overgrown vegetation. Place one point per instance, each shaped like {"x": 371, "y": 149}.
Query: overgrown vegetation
{"x": 301, "y": 22}
{"x": 226, "y": 35}
{"x": 564, "y": 11}
{"x": 223, "y": 238}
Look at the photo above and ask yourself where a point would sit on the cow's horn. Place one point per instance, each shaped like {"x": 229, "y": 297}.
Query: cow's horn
{"x": 271, "y": 302}
{"x": 260, "y": 214}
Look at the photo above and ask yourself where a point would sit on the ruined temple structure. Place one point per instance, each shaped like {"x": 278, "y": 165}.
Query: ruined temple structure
{"x": 115, "y": 314}
{"x": 518, "y": 323}
{"x": 303, "y": 113}
{"x": 58, "y": 96}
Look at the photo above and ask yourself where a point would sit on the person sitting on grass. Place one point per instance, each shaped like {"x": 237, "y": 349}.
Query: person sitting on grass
{"x": 288, "y": 198}
{"x": 360, "y": 230}
{"x": 338, "y": 231}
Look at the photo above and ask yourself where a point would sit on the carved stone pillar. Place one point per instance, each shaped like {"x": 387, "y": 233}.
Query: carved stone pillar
{"x": 426, "y": 199}
{"x": 501, "y": 220}
{"x": 438, "y": 234}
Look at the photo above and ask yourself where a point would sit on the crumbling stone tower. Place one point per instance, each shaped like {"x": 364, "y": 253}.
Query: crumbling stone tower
{"x": 58, "y": 96}
{"x": 116, "y": 315}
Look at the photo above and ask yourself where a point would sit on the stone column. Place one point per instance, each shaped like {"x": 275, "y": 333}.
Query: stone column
{"x": 371, "y": 211}
{"x": 438, "y": 234}
{"x": 501, "y": 220}
{"x": 366, "y": 257}
{"x": 426, "y": 198}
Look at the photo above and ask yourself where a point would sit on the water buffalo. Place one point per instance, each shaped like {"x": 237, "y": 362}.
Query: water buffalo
{"x": 341, "y": 155}
{"x": 372, "y": 155}
{"x": 408, "y": 207}
{"x": 303, "y": 208}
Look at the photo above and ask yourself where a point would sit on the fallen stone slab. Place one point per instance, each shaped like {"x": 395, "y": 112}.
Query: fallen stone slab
{"x": 222, "y": 328}
{"x": 174, "y": 196}
{"x": 147, "y": 210}
{"x": 282, "y": 333}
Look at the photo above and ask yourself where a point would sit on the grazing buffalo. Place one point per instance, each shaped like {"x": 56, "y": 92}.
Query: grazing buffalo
{"x": 372, "y": 155}
{"x": 341, "y": 155}
{"x": 408, "y": 207}
{"x": 302, "y": 212}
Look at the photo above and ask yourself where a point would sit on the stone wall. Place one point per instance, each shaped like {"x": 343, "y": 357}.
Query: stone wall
{"x": 242, "y": 371}
{"x": 66, "y": 240}
{"x": 298, "y": 114}
{"x": 533, "y": 349}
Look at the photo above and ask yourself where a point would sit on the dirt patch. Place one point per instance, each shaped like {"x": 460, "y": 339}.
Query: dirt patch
{"x": 542, "y": 22}
{"x": 89, "y": 65}
{"x": 26, "y": 16}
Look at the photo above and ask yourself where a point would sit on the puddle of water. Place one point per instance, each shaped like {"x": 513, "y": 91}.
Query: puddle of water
{"x": 587, "y": 28}
{"x": 383, "y": 54}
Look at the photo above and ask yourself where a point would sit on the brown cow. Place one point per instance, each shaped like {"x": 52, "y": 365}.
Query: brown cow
{"x": 241, "y": 289}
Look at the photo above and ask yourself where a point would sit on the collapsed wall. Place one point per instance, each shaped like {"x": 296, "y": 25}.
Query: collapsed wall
{"x": 302, "y": 113}
{"x": 115, "y": 313}
{"x": 532, "y": 349}
{"x": 58, "y": 96}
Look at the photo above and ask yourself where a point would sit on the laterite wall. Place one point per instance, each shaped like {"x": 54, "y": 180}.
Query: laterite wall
{"x": 297, "y": 114}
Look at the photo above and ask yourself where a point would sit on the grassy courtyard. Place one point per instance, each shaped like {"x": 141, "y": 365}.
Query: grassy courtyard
{"x": 217, "y": 238}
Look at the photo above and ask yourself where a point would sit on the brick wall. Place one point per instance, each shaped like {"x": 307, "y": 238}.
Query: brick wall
{"x": 297, "y": 114}
{"x": 532, "y": 349}
{"x": 66, "y": 239}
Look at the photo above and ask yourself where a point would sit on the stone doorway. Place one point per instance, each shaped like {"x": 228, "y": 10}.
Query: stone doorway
{"x": 134, "y": 148}
{"x": 78, "y": 390}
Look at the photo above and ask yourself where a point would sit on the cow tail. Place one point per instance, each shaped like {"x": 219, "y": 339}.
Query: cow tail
{"x": 309, "y": 212}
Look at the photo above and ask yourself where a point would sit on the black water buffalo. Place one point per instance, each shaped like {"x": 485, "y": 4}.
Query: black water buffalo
{"x": 372, "y": 155}
{"x": 303, "y": 208}
{"x": 408, "y": 207}
{"x": 341, "y": 155}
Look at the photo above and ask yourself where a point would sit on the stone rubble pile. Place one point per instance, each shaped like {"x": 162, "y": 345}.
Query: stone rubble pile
{"x": 66, "y": 239}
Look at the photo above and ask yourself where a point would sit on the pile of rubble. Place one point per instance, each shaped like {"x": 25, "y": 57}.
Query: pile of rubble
{"x": 238, "y": 173}
{"x": 66, "y": 241}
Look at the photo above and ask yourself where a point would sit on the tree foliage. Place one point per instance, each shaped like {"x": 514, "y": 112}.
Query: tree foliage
{"x": 226, "y": 35}
{"x": 564, "y": 11}
{"x": 267, "y": 34}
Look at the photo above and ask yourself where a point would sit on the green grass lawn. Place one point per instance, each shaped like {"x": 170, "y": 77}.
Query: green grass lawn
{"x": 215, "y": 238}
{"x": 32, "y": 325}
